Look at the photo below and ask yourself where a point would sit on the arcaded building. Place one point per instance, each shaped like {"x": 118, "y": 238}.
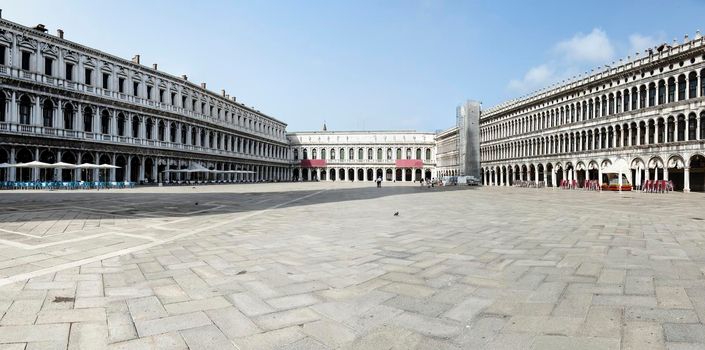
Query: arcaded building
{"x": 63, "y": 101}
{"x": 646, "y": 112}
{"x": 362, "y": 155}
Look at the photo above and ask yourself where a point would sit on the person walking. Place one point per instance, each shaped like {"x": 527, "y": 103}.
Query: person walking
{"x": 379, "y": 182}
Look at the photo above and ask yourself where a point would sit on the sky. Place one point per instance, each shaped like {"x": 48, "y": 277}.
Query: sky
{"x": 368, "y": 64}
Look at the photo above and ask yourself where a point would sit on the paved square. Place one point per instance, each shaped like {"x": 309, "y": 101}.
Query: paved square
{"x": 328, "y": 266}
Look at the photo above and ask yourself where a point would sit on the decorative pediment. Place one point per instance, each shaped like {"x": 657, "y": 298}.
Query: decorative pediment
{"x": 71, "y": 56}
{"x": 49, "y": 49}
{"x": 6, "y": 37}
{"x": 89, "y": 62}
{"x": 26, "y": 42}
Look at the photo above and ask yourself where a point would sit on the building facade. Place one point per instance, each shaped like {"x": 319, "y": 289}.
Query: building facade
{"x": 62, "y": 101}
{"x": 447, "y": 155}
{"x": 362, "y": 155}
{"x": 646, "y": 112}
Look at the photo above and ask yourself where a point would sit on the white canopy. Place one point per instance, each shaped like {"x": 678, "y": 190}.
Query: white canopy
{"x": 6, "y": 165}
{"x": 32, "y": 164}
{"x": 62, "y": 165}
{"x": 108, "y": 166}
{"x": 88, "y": 166}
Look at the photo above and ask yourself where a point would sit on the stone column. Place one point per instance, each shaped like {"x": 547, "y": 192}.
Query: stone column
{"x": 12, "y": 171}
{"x": 686, "y": 179}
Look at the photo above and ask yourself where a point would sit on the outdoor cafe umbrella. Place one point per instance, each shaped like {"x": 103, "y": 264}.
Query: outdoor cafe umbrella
{"x": 88, "y": 166}
{"x": 62, "y": 165}
{"x": 33, "y": 164}
{"x": 108, "y": 166}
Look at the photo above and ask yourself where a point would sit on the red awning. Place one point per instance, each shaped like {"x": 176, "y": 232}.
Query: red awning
{"x": 409, "y": 163}
{"x": 313, "y": 163}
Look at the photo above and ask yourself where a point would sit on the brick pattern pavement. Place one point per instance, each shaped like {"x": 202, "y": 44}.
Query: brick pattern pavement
{"x": 492, "y": 268}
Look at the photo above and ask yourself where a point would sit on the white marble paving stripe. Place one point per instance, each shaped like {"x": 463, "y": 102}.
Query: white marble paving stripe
{"x": 60, "y": 267}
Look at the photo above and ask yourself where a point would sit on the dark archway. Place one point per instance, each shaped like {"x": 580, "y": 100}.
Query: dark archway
{"x": 47, "y": 156}
{"x": 68, "y": 174}
{"x": 120, "y": 172}
{"x": 87, "y": 174}
{"x": 697, "y": 173}
{"x": 135, "y": 165}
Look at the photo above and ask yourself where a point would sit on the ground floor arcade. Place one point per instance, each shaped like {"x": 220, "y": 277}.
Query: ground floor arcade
{"x": 133, "y": 167}
{"x": 686, "y": 170}
{"x": 360, "y": 174}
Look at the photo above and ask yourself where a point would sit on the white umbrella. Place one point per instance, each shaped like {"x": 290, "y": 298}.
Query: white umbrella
{"x": 33, "y": 164}
{"x": 62, "y": 165}
{"x": 88, "y": 166}
{"x": 6, "y": 165}
{"x": 107, "y": 166}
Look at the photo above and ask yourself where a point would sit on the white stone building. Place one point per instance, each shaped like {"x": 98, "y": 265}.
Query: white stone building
{"x": 62, "y": 101}
{"x": 363, "y": 155}
{"x": 647, "y": 112}
{"x": 447, "y": 157}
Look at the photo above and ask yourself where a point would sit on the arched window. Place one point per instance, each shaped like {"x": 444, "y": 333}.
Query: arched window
{"x": 183, "y": 134}
{"x": 149, "y": 126}
{"x": 135, "y": 126}
{"x": 25, "y": 110}
{"x": 296, "y": 154}
{"x": 681, "y": 87}
{"x": 398, "y": 153}
{"x": 323, "y": 153}
{"x": 351, "y": 154}
{"x": 305, "y": 153}
{"x": 360, "y": 154}
{"x": 48, "y": 113}
{"x": 369, "y": 154}
{"x": 408, "y": 153}
{"x": 692, "y": 85}
{"x": 121, "y": 124}
{"x": 379, "y": 154}
{"x": 87, "y": 119}
{"x": 332, "y": 153}
{"x": 342, "y": 153}
{"x": 314, "y": 154}
{"x": 428, "y": 154}
{"x": 172, "y": 132}
{"x": 661, "y": 92}
{"x": 105, "y": 122}
{"x": 161, "y": 130}
{"x": 418, "y": 153}
{"x": 68, "y": 116}
{"x": 671, "y": 90}
{"x": 652, "y": 94}
{"x": 3, "y": 100}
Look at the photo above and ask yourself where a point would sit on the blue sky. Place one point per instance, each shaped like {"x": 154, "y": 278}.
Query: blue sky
{"x": 368, "y": 64}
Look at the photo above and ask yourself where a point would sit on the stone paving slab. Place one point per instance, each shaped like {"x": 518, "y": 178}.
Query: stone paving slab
{"x": 327, "y": 266}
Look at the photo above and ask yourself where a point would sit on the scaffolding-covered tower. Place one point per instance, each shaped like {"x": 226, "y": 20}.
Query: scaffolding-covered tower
{"x": 468, "y": 122}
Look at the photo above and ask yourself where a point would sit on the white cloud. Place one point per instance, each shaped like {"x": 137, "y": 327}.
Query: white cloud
{"x": 594, "y": 47}
{"x": 536, "y": 77}
{"x": 639, "y": 43}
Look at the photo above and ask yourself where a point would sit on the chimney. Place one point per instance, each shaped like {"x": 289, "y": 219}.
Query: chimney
{"x": 203, "y": 85}
{"x": 234, "y": 99}
{"x": 222, "y": 92}
{"x": 0, "y": 13}
{"x": 184, "y": 77}
{"x": 136, "y": 59}
{"x": 60, "y": 33}
{"x": 154, "y": 66}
